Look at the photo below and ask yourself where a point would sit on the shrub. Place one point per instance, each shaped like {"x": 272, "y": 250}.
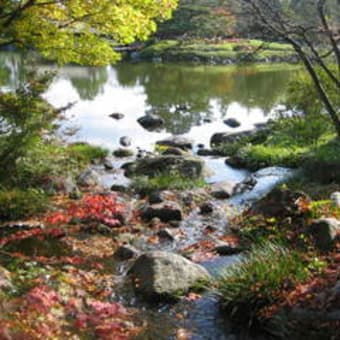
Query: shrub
{"x": 255, "y": 282}
{"x": 24, "y": 115}
{"x": 145, "y": 185}
{"x": 16, "y": 203}
{"x": 85, "y": 153}
{"x": 323, "y": 163}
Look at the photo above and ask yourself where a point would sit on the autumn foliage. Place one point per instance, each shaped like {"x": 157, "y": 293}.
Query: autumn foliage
{"x": 96, "y": 208}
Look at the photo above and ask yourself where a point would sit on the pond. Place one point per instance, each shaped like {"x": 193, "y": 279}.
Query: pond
{"x": 192, "y": 100}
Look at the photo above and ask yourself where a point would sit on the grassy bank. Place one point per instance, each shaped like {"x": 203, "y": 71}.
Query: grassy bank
{"x": 224, "y": 52}
{"x": 45, "y": 171}
{"x": 303, "y": 141}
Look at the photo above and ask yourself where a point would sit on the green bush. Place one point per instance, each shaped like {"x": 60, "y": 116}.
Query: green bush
{"x": 145, "y": 185}
{"x": 85, "y": 153}
{"x": 300, "y": 131}
{"x": 16, "y": 203}
{"x": 24, "y": 117}
{"x": 323, "y": 163}
{"x": 254, "y": 282}
{"x": 303, "y": 96}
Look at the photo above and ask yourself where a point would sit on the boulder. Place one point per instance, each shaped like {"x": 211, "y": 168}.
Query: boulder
{"x": 89, "y": 177}
{"x": 255, "y": 136}
{"x": 177, "y": 142}
{"x": 222, "y": 190}
{"x": 246, "y": 185}
{"x": 191, "y": 167}
{"x": 125, "y": 141}
{"x": 116, "y": 115}
{"x": 151, "y": 122}
{"x": 324, "y": 232}
{"x": 160, "y": 274}
{"x": 165, "y": 211}
{"x": 232, "y": 122}
{"x": 64, "y": 184}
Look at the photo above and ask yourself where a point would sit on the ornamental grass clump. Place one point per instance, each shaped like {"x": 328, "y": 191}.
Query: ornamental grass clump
{"x": 257, "y": 280}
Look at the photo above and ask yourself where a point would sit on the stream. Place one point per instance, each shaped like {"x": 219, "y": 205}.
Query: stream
{"x": 193, "y": 101}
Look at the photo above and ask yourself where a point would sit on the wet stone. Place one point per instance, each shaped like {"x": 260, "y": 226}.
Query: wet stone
{"x": 125, "y": 141}
{"x": 166, "y": 234}
{"x": 116, "y": 115}
{"x": 206, "y": 208}
{"x": 226, "y": 250}
{"x": 166, "y": 211}
{"x": 161, "y": 275}
{"x": 126, "y": 252}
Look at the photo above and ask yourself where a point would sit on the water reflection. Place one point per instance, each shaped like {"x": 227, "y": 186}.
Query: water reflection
{"x": 192, "y": 100}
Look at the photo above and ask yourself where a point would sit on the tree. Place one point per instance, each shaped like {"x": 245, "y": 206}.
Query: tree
{"x": 83, "y": 32}
{"x": 316, "y": 41}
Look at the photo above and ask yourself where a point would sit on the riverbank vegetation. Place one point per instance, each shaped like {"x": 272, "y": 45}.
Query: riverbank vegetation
{"x": 232, "y": 51}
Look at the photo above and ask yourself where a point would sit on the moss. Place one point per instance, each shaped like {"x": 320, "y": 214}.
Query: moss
{"x": 302, "y": 141}
{"x": 145, "y": 185}
{"x": 85, "y": 153}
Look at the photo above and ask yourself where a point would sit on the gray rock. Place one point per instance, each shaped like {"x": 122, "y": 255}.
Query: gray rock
{"x": 232, "y": 122}
{"x": 165, "y": 211}
{"x": 163, "y": 275}
{"x": 246, "y": 185}
{"x": 151, "y": 122}
{"x": 88, "y": 177}
{"x": 108, "y": 164}
{"x": 223, "y": 190}
{"x": 335, "y": 197}
{"x": 256, "y": 135}
{"x": 177, "y": 142}
{"x": 206, "y": 208}
{"x": 324, "y": 232}
{"x": 125, "y": 141}
{"x": 191, "y": 167}
{"x": 126, "y": 252}
{"x": 116, "y": 115}
{"x": 166, "y": 234}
